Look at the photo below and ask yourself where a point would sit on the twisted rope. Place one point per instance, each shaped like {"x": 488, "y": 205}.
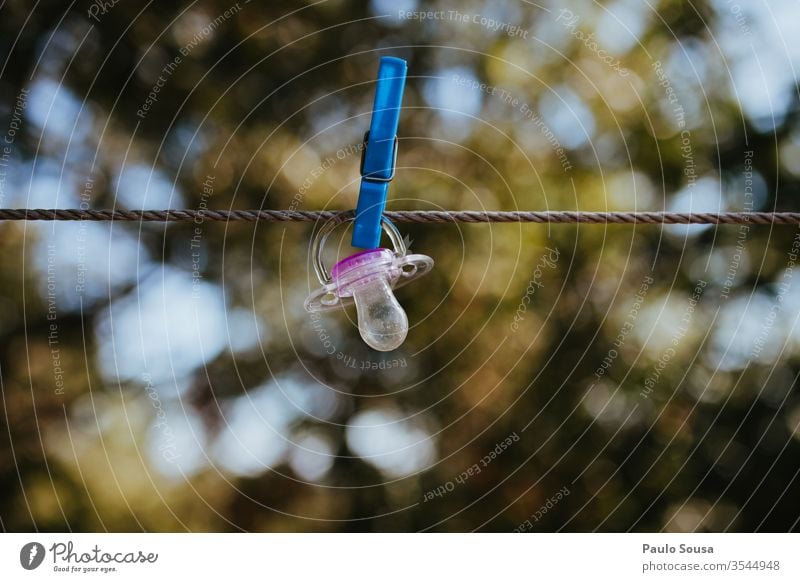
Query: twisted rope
{"x": 416, "y": 216}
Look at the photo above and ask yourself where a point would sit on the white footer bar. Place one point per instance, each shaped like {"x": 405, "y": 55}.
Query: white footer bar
{"x": 389, "y": 557}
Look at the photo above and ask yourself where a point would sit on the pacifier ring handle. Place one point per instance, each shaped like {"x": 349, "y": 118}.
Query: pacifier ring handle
{"x": 318, "y": 244}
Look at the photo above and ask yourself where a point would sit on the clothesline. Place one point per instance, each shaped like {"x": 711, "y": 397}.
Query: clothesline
{"x": 414, "y": 216}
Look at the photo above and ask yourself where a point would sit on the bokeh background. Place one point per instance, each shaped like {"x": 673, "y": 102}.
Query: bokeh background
{"x": 556, "y": 378}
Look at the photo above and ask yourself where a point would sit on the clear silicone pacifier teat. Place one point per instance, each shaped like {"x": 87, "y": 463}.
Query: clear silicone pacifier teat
{"x": 382, "y": 322}
{"x": 368, "y": 279}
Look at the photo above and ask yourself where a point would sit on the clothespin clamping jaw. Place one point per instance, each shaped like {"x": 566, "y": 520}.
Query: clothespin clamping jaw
{"x": 368, "y": 278}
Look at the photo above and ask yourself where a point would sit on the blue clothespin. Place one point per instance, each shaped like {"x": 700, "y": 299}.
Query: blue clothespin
{"x": 380, "y": 153}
